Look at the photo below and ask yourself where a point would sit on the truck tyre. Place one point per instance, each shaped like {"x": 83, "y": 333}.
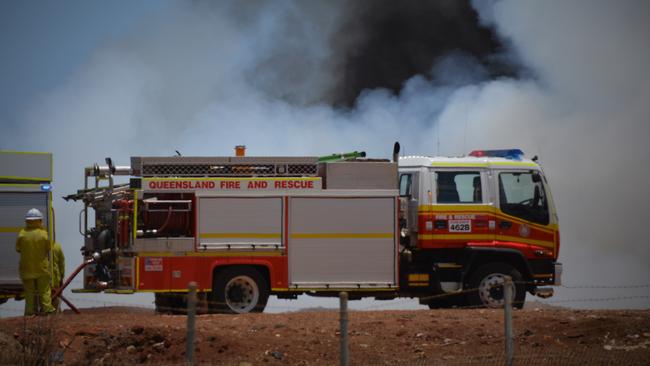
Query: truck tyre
{"x": 238, "y": 290}
{"x": 161, "y": 302}
{"x": 486, "y": 286}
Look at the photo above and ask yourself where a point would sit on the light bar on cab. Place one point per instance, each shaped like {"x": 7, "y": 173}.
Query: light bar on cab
{"x": 515, "y": 154}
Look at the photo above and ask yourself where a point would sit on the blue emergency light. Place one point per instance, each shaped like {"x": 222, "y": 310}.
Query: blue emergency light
{"x": 46, "y": 187}
{"x": 514, "y": 154}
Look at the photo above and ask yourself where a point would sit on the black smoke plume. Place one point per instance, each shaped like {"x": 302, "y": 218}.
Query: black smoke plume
{"x": 383, "y": 43}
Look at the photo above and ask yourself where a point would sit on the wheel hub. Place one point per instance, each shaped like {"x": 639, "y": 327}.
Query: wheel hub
{"x": 242, "y": 294}
{"x": 236, "y": 293}
{"x": 491, "y": 291}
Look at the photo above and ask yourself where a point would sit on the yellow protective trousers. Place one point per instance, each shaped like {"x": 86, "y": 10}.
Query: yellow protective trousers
{"x": 37, "y": 290}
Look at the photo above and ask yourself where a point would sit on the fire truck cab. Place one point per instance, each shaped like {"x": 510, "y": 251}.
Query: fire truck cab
{"x": 470, "y": 221}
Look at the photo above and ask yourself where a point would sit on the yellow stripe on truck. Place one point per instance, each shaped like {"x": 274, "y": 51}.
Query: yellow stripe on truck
{"x": 486, "y": 237}
{"x": 36, "y": 179}
{"x": 446, "y": 208}
{"x": 227, "y": 253}
{"x": 479, "y": 164}
{"x": 342, "y": 236}
{"x": 214, "y": 253}
{"x": 135, "y": 216}
{"x": 297, "y": 235}
{"x": 481, "y": 209}
{"x": 240, "y": 235}
{"x": 10, "y": 229}
{"x": 15, "y": 185}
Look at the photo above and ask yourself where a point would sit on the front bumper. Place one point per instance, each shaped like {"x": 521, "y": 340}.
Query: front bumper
{"x": 546, "y": 273}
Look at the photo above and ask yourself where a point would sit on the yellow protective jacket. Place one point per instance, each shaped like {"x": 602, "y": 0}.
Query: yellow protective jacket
{"x": 58, "y": 264}
{"x": 34, "y": 247}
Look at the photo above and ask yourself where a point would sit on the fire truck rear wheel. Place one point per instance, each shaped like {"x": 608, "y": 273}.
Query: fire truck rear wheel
{"x": 488, "y": 281}
{"x": 238, "y": 290}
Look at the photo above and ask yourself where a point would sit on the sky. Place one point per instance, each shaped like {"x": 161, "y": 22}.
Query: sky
{"x": 566, "y": 81}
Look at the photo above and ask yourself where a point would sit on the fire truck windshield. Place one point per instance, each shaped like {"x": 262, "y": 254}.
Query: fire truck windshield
{"x": 522, "y": 194}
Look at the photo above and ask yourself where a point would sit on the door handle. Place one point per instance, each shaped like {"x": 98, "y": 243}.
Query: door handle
{"x": 505, "y": 225}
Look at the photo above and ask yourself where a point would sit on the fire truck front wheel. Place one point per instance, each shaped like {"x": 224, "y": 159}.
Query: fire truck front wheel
{"x": 486, "y": 286}
{"x": 238, "y": 290}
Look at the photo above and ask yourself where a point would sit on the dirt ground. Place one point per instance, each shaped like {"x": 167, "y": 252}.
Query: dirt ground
{"x": 437, "y": 337}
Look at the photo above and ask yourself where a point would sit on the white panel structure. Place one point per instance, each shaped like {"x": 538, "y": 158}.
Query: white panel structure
{"x": 13, "y": 206}
{"x": 20, "y": 166}
{"x": 240, "y": 223}
{"x": 340, "y": 242}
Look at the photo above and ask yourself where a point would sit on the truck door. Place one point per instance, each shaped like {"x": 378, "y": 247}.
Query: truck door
{"x": 342, "y": 242}
{"x": 240, "y": 223}
{"x": 459, "y": 211}
{"x": 523, "y": 214}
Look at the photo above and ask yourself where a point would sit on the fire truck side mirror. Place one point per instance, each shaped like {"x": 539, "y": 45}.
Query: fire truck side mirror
{"x": 405, "y": 185}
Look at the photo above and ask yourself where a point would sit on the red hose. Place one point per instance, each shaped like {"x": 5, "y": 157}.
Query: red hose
{"x": 58, "y": 291}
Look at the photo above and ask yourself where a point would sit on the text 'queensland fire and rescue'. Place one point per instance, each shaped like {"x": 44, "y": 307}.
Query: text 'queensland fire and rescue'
{"x": 234, "y": 184}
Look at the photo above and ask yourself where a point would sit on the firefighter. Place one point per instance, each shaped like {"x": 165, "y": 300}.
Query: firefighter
{"x": 34, "y": 247}
{"x": 58, "y": 271}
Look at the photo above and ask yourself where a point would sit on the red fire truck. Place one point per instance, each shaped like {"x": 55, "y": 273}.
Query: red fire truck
{"x": 244, "y": 228}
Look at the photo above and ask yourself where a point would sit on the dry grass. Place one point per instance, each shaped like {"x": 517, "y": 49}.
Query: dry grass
{"x": 33, "y": 345}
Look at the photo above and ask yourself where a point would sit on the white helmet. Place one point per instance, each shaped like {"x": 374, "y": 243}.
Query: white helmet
{"x": 33, "y": 214}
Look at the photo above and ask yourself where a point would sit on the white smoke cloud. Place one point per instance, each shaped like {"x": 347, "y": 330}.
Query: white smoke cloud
{"x": 203, "y": 78}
